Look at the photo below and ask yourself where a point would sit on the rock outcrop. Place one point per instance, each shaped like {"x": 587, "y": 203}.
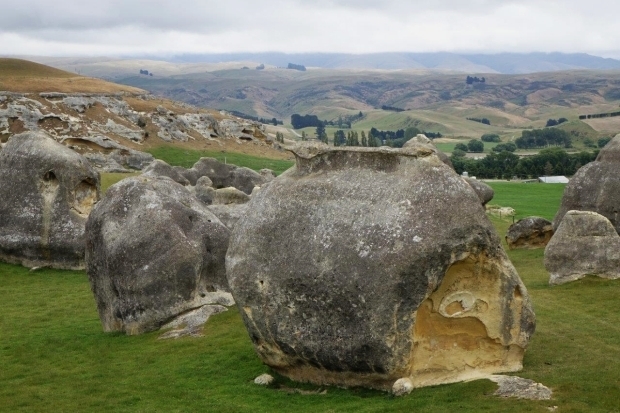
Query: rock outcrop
{"x": 352, "y": 269}
{"x": 224, "y": 175}
{"x": 109, "y": 129}
{"x": 595, "y": 187}
{"x": 46, "y": 194}
{"x": 585, "y": 243}
{"x": 153, "y": 252}
{"x": 529, "y": 233}
{"x": 420, "y": 142}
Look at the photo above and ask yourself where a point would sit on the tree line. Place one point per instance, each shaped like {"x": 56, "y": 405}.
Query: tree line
{"x": 480, "y": 120}
{"x": 542, "y": 138}
{"x": 506, "y": 165}
{"x": 312, "y": 121}
{"x": 242, "y": 115}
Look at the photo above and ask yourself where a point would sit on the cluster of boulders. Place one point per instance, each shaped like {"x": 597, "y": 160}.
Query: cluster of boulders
{"x": 102, "y": 127}
{"x": 586, "y": 240}
{"x": 350, "y": 269}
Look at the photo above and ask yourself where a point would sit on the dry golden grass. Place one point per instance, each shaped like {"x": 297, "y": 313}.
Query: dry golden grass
{"x": 23, "y": 76}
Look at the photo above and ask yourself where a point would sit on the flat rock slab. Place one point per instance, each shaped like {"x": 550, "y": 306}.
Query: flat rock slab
{"x": 512, "y": 386}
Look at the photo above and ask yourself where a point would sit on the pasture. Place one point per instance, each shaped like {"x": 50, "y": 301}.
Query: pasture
{"x": 54, "y": 355}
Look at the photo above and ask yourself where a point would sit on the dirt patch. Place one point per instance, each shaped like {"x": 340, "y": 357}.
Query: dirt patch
{"x": 16, "y": 126}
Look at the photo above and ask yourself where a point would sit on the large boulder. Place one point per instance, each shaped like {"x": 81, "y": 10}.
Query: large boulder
{"x": 161, "y": 168}
{"x": 484, "y": 191}
{"x": 356, "y": 268}
{"x": 224, "y": 175}
{"x": 585, "y": 243}
{"x": 46, "y": 193}
{"x": 529, "y": 233}
{"x": 595, "y": 187}
{"x": 153, "y": 252}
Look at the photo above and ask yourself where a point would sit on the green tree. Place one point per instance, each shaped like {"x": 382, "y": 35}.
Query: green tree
{"x": 602, "y": 142}
{"x": 458, "y": 153}
{"x": 364, "y": 140}
{"x": 320, "y": 130}
{"x": 304, "y": 137}
{"x": 411, "y": 132}
{"x": 475, "y": 145}
{"x": 461, "y": 146}
{"x": 490, "y": 137}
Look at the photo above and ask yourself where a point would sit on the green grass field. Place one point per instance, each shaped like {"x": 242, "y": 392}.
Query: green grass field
{"x": 54, "y": 355}
{"x": 188, "y": 157}
{"x": 528, "y": 199}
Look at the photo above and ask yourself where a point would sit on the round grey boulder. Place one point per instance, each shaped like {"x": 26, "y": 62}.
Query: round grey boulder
{"x": 595, "y": 187}
{"x": 484, "y": 191}
{"x": 153, "y": 252}
{"x": 161, "y": 168}
{"x": 585, "y": 243}
{"x": 353, "y": 268}
{"x": 46, "y": 194}
{"x": 529, "y": 233}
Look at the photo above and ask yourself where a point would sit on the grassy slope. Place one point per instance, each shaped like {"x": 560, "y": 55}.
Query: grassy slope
{"x": 187, "y": 158}
{"x": 23, "y": 76}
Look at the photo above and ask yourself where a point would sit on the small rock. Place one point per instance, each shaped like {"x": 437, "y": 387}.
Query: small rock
{"x": 402, "y": 387}
{"x": 264, "y": 380}
{"x": 512, "y": 386}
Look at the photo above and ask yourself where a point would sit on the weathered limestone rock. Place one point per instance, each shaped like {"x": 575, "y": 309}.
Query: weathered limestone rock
{"x": 353, "y": 269}
{"x": 229, "y": 214}
{"x": 204, "y": 190}
{"x": 161, "y": 168}
{"x": 520, "y": 388}
{"x": 595, "y": 187}
{"x": 230, "y": 195}
{"x": 484, "y": 191}
{"x": 402, "y": 387}
{"x": 267, "y": 174}
{"x": 585, "y": 243}
{"x": 153, "y": 252}
{"x": 46, "y": 194}
{"x": 421, "y": 142}
{"x": 529, "y": 233}
{"x": 264, "y": 380}
{"x": 225, "y": 175}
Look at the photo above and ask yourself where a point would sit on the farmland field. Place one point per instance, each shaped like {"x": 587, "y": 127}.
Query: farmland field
{"x": 54, "y": 355}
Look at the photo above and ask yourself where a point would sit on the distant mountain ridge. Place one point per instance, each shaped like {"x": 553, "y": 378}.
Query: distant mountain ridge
{"x": 504, "y": 63}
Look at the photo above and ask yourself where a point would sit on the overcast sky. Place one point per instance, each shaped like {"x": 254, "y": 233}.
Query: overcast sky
{"x": 134, "y": 27}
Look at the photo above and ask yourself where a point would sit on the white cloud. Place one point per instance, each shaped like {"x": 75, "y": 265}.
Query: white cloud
{"x": 123, "y": 27}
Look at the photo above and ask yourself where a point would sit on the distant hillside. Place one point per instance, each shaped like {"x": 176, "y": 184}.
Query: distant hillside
{"x": 505, "y": 63}
{"x": 440, "y": 102}
{"x": 23, "y": 76}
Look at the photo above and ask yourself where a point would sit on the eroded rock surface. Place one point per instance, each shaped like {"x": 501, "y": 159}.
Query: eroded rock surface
{"x": 595, "y": 187}
{"x": 484, "y": 191}
{"x": 225, "y": 175}
{"x": 46, "y": 194}
{"x": 529, "y": 233}
{"x": 585, "y": 243}
{"x": 153, "y": 252}
{"x": 520, "y": 388}
{"x": 421, "y": 142}
{"x": 353, "y": 269}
